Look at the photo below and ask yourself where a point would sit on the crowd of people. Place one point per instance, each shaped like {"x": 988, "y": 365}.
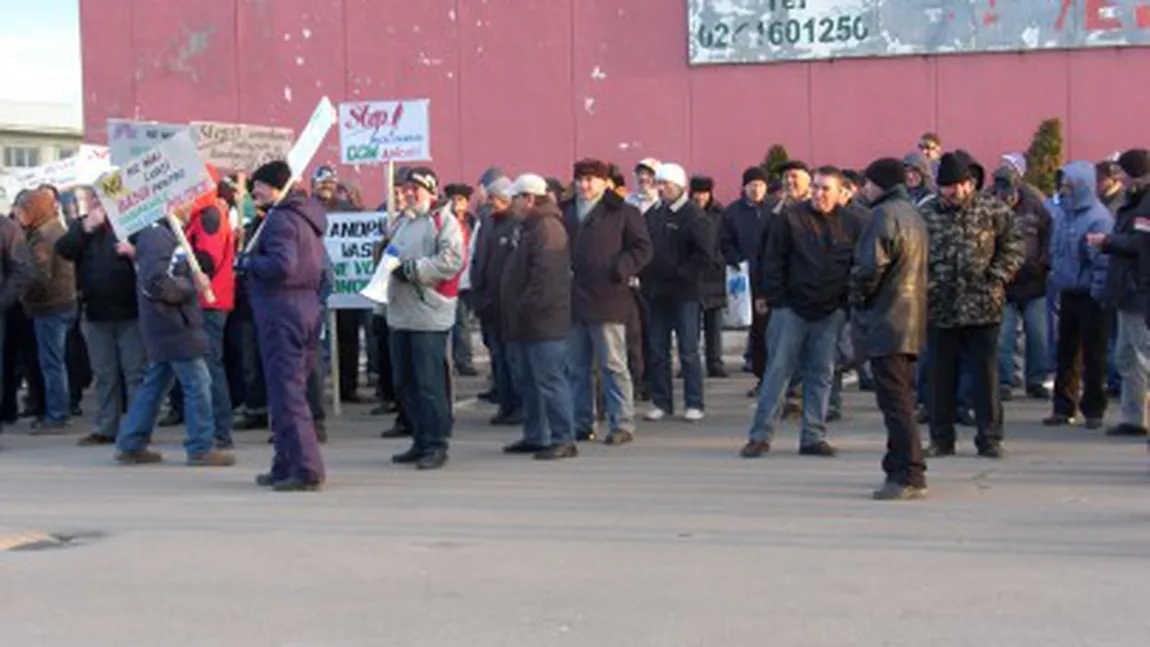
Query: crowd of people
{"x": 917, "y": 273}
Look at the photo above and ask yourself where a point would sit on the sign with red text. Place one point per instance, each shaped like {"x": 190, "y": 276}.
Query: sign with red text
{"x": 769, "y": 31}
{"x": 149, "y": 187}
{"x": 385, "y": 131}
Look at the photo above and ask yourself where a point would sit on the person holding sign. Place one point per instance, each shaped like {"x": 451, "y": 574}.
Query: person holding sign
{"x": 421, "y": 300}
{"x": 285, "y": 270}
{"x": 172, "y": 325}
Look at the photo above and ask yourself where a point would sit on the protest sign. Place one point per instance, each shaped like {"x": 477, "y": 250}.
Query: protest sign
{"x": 321, "y": 121}
{"x": 351, "y": 240}
{"x": 240, "y": 147}
{"x": 385, "y": 131}
{"x": 149, "y": 187}
{"x": 128, "y": 140}
{"x": 82, "y": 168}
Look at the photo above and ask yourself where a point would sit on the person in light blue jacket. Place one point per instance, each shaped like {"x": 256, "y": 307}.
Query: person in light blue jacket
{"x": 1078, "y": 277}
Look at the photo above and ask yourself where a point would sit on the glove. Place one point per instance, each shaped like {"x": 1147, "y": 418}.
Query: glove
{"x": 405, "y": 272}
{"x": 242, "y": 264}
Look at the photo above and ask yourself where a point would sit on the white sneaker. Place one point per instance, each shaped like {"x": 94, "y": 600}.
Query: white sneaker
{"x": 693, "y": 415}
{"x": 655, "y": 415}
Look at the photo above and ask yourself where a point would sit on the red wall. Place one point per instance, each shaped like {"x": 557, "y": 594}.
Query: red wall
{"x": 533, "y": 84}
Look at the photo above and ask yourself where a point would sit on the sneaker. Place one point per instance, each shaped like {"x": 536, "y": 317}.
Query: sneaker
{"x": 693, "y": 415}
{"x": 557, "y": 452}
{"x": 755, "y": 449}
{"x": 212, "y": 459}
{"x": 1126, "y": 430}
{"x": 94, "y": 439}
{"x": 821, "y": 448}
{"x": 891, "y": 491}
{"x": 655, "y": 415}
{"x": 140, "y": 457}
{"x": 618, "y": 438}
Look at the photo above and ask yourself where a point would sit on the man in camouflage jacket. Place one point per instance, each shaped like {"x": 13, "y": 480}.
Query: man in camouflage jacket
{"x": 976, "y": 249}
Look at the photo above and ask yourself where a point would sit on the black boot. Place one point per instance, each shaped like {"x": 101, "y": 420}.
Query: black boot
{"x": 408, "y": 457}
{"x": 432, "y": 460}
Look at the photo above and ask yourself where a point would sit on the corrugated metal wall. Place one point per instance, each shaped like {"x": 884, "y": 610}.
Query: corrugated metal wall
{"x": 532, "y": 84}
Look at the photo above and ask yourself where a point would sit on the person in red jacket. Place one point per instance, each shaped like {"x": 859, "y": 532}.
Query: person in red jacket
{"x": 210, "y": 235}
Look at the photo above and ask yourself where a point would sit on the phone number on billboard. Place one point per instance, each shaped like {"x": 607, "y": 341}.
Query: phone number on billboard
{"x": 844, "y": 29}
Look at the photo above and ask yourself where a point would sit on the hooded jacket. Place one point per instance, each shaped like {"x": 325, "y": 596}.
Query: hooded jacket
{"x": 1035, "y": 225}
{"x": 53, "y": 288}
{"x": 1076, "y": 266}
{"x": 107, "y": 279}
{"x": 1123, "y": 246}
{"x": 918, "y": 162}
{"x": 975, "y": 251}
{"x": 433, "y": 241}
{"x": 171, "y": 322}
{"x": 609, "y": 247}
{"x": 286, "y": 267}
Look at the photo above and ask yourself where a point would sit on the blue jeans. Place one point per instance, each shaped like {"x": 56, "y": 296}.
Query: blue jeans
{"x": 809, "y": 348}
{"x": 214, "y": 322}
{"x": 541, "y": 373}
{"x": 606, "y": 343}
{"x": 509, "y": 391}
{"x": 844, "y": 357}
{"x": 1034, "y": 324}
{"x": 51, "y": 340}
{"x": 461, "y": 355}
{"x": 665, "y": 317}
{"x": 419, "y": 367}
{"x": 196, "y": 383}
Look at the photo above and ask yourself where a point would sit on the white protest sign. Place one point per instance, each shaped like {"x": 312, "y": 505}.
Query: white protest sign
{"x": 385, "y": 131}
{"x": 240, "y": 147}
{"x": 351, "y": 240}
{"x": 151, "y": 186}
{"x": 82, "y": 168}
{"x": 128, "y": 140}
{"x": 321, "y": 121}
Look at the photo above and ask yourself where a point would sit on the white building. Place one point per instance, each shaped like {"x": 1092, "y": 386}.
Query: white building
{"x": 35, "y": 134}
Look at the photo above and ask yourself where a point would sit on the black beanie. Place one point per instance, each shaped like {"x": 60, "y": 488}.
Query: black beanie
{"x": 977, "y": 172}
{"x": 275, "y": 174}
{"x": 953, "y": 169}
{"x": 702, "y": 184}
{"x": 1135, "y": 162}
{"x": 886, "y": 173}
{"x": 755, "y": 173}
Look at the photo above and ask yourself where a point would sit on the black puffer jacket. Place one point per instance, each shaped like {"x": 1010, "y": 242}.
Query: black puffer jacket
{"x": 889, "y": 280}
{"x": 107, "y": 279}
{"x": 1123, "y": 247}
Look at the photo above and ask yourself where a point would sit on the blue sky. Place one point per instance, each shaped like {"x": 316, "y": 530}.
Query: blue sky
{"x": 40, "y": 50}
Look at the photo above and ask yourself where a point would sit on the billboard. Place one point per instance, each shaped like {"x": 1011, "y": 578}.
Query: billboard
{"x": 765, "y": 31}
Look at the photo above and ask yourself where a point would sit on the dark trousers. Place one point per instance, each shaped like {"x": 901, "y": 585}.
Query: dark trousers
{"x": 418, "y": 362}
{"x": 78, "y": 362}
{"x": 894, "y": 391}
{"x": 385, "y": 386}
{"x": 947, "y": 346}
{"x": 713, "y": 337}
{"x": 255, "y": 387}
{"x": 1083, "y": 335}
{"x": 20, "y": 347}
{"x": 233, "y": 359}
{"x": 347, "y": 324}
{"x": 504, "y": 371}
{"x": 637, "y": 326}
{"x": 289, "y": 352}
{"x": 757, "y": 339}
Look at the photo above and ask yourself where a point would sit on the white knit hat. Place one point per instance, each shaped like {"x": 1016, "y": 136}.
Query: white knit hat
{"x": 673, "y": 173}
{"x": 530, "y": 184}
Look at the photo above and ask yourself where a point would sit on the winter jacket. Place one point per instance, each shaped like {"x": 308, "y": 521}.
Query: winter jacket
{"x": 16, "y": 271}
{"x": 609, "y": 248}
{"x": 1035, "y": 225}
{"x": 888, "y": 281}
{"x": 683, "y": 244}
{"x": 742, "y": 232}
{"x": 1123, "y": 246}
{"x": 171, "y": 321}
{"x": 107, "y": 279}
{"x": 497, "y": 238}
{"x": 243, "y": 301}
{"x": 713, "y": 292}
{"x": 1076, "y": 266}
{"x": 210, "y": 236}
{"x": 53, "y": 288}
{"x": 536, "y": 280}
{"x": 286, "y": 266}
{"x": 434, "y": 242}
{"x": 975, "y": 251}
{"x": 924, "y": 191}
{"x": 807, "y": 260}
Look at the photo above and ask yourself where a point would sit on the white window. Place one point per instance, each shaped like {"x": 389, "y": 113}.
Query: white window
{"x": 21, "y": 156}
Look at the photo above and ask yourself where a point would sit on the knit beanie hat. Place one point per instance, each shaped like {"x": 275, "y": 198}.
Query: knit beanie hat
{"x": 702, "y": 184}
{"x": 275, "y": 174}
{"x": 672, "y": 173}
{"x": 755, "y": 173}
{"x": 886, "y": 173}
{"x": 953, "y": 169}
{"x": 1135, "y": 162}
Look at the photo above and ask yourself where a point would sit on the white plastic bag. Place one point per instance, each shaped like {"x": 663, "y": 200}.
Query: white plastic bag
{"x": 739, "y": 308}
